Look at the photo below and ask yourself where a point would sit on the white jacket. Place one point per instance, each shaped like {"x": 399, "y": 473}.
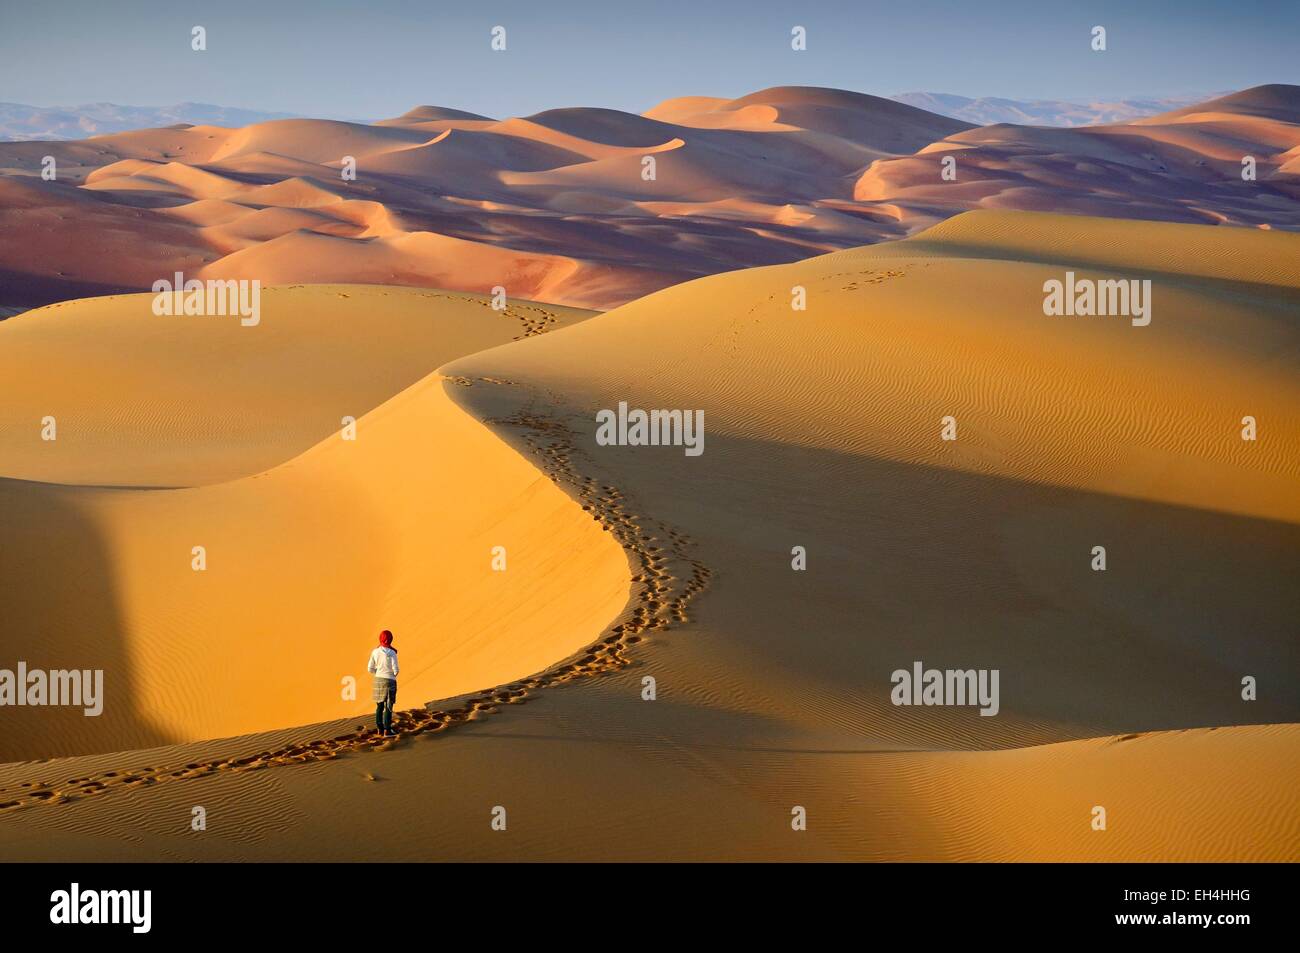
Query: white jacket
{"x": 383, "y": 662}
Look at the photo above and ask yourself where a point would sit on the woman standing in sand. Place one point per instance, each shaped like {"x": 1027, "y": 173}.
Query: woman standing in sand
{"x": 383, "y": 666}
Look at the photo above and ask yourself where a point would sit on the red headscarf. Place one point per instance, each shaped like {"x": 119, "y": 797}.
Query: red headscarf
{"x": 386, "y": 639}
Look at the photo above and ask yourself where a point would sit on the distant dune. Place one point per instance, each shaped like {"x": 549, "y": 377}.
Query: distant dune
{"x": 596, "y": 207}
{"x": 1184, "y": 166}
{"x": 636, "y": 567}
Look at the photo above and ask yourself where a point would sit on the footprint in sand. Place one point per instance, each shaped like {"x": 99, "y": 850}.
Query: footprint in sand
{"x": 551, "y": 441}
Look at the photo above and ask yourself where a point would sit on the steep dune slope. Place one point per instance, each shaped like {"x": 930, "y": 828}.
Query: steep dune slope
{"x": 823, "y": 430}
{"x": 304, "y": 563}
{"x": 301, "y": 563}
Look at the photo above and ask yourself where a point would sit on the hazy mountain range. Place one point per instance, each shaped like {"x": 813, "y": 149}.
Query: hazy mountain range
{"x": 21, "y": 123}
{"x": 987, "y": 110}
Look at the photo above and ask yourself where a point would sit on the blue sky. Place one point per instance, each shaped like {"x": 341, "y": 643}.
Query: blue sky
{"x": 373, "y": 58}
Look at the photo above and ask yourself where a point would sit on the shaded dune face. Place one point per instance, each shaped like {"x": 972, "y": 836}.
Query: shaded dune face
{"x": 562, "y": 205}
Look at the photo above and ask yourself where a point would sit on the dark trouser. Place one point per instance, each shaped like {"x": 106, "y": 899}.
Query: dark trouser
{"x": 384, "y": 710}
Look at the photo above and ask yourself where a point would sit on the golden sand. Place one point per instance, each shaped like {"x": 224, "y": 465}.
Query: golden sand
{"x": 1119, "y": 689}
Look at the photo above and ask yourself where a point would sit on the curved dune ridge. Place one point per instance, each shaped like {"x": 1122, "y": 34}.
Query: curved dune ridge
{"x": 1068, "y": 429}
{"x": 1119, "y": 689}
{"x": 823, "y": 431}
{"x": 899, "y": 335}
{"x": 562, "y": 205}
{"x": 312, "y": 542}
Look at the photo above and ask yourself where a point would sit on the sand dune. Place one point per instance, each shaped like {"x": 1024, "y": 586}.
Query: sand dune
{"x": 43, "y": 259}
{"x": 883, "y": 125}
{"x": 1119, "y": 689}
{"x": 564, "y": 202}
{"x": 1183, "y": 166}
{"x": 1072, "y": 432}
{"x": 155, "y": 415}
{"x": 1274, "y": 101}
{"x": 308, "y": 535}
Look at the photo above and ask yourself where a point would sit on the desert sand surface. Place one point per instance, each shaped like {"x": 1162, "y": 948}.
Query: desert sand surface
{"x": 1119, "y": 689}
{"x": 157, "y": 401}
{"x": 238, "y": 443}
{"x": 561, "y": 206}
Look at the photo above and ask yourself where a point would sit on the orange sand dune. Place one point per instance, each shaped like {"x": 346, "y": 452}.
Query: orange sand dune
{"x": 151, "y": 417}
{"x": 771, "y": 685}
{"x": 1184, "y": 166}
{"x": 422, "y": 258}
{"x": 564, "y": 201}
{"x": 824, "y": 430}
{"x": 47, "y": 253}
{"x": 326, "y": 537}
